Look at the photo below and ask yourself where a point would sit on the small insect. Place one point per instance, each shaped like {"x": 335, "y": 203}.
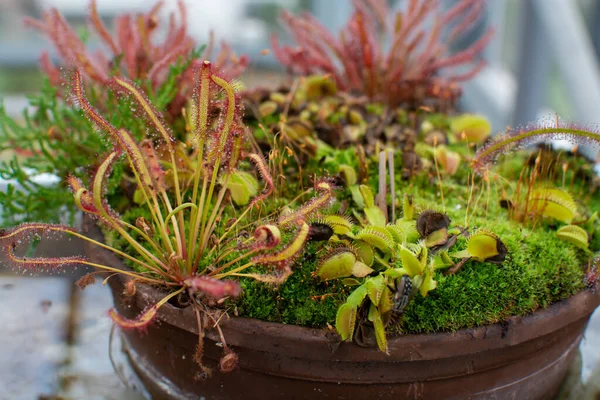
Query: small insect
{"x": 402, "y": 294}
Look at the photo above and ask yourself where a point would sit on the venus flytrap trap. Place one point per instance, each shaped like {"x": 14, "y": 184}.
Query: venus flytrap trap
{"x": 185, "y": 227}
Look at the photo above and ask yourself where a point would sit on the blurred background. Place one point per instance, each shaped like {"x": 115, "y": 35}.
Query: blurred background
{"x": 542, "y": 60}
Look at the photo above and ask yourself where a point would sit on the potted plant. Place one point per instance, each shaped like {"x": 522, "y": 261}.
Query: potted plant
{"x": 400, "y": 263}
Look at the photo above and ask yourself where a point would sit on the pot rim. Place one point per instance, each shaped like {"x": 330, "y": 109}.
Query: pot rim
{"x": 271, "y": 336}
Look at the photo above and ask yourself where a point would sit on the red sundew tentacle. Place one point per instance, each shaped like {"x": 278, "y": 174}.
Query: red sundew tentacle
{"x": 46, "y": 264}
{"x": 145, "y": 318}
{"x": 532, "y": 134}
{"x": 466, "y": 55}
{"x": 141, "y": 322}
{"x": 80, "y": 100}
{"x": 161, "y": 64}
{"x": 263, "y": 170}
{"x": 50, "y": 70}
{"x": 156, "y": 118}
{"x": 26, "y": 231}
{"x": 96, "y": 22}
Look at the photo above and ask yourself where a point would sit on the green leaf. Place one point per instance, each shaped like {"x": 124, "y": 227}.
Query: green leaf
{"x": 349, "y": 174}
{"x": 575, "y": 235}
{"x": 357, "y": 196}
{"x": 484, "y": 245}
{"x": 554, "y": 203}
{"x": 345, "y": 321}
{"x": 350, "y": 282}
{"x": 410, "y": 262}
{"x": 341, "y": 225}
{"x": 408, "y": 208}
{"x": 375, "y": 318}
{"x": 475, "y": 128}
{"x": 367, "y": 195}
{"x": 357, "y": 296}
{"x": 360, "y": 269}
{"x": 375, "y": 288}
{"x": 375, "y": 216}
{"x": 365, "y": 252}
{"x": 338, "y": 265}
{"x": 379, "y": 238}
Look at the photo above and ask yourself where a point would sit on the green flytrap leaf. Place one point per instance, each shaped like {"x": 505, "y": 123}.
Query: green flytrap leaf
{"x": 484, "y": 246}
{"x": 470, "y": 127}
{"x": 575, "y": 235}
{"x": 553, "y": 203}
{"x": 337, "y": 265}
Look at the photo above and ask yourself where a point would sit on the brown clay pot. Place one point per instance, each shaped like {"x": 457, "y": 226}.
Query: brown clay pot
{"x": 524, "y": 358}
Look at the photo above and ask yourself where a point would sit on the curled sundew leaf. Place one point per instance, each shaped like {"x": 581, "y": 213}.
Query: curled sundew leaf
{"x": 470, "y": 127}
{"x": 486, "y": 246}
{"x": 410, "y": 262}
{"x": 211, "y": 287}
{"x": 533, "y": 134}
{"x": 381, "y": 239}
{"x": 345, "y": 320}
{"x": 337, "y": 263}
{"x": 289, "y": 253}
{"x": 375, "y": 318}
{"x": 267, "y": 236}
{"x": 145, "y": 317}
{"x": 341, "y": 224}
{"x": 575, "y": 235}
{"x": 275, "y": 279}
{"x": 554, "y": 203}
{"x": 315, "y": 205}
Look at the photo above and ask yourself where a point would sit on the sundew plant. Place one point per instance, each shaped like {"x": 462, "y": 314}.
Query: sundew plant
{"x": 185, "y": 244}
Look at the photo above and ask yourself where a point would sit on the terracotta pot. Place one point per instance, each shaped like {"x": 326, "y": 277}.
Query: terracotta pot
{"x": 524, "y": 358}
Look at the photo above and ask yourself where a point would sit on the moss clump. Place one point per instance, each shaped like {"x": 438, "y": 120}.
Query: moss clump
{"x": 301, "y": 300}
{"x": 540, "y": 270}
